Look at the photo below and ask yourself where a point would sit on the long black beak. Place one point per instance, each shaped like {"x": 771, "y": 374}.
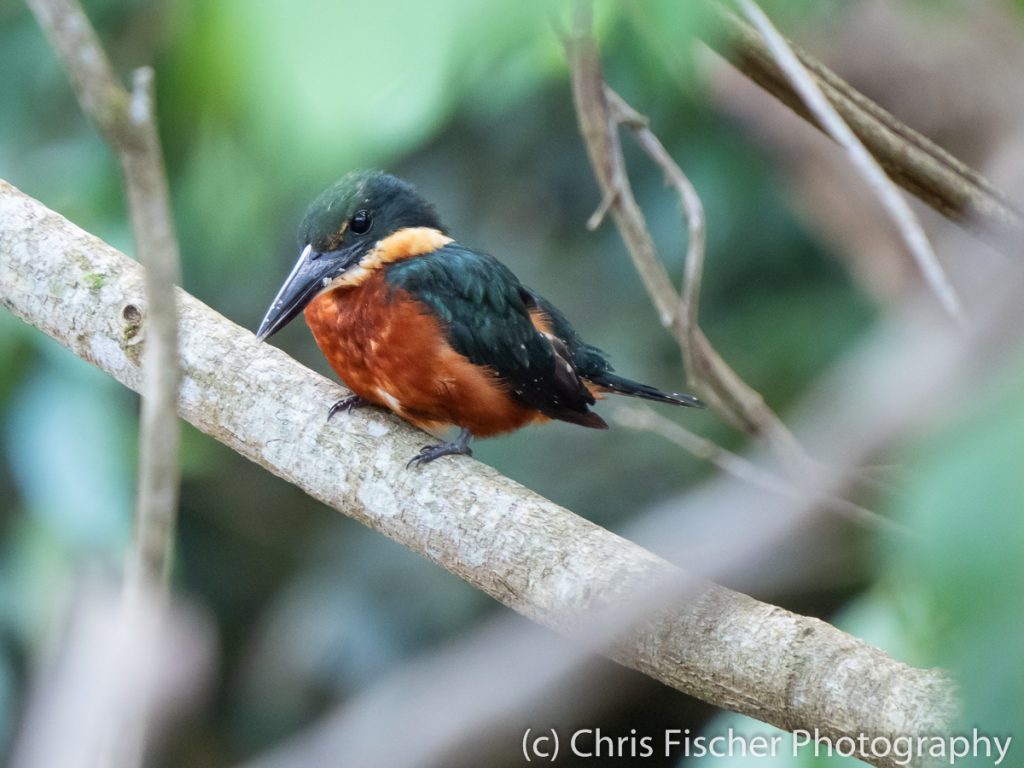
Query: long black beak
{"x": 311, "y": 274}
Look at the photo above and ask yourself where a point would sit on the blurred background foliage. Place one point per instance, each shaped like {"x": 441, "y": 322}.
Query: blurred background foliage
{"x": 263, "y": 104}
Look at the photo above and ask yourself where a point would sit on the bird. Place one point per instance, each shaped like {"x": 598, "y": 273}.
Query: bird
{"x": 439, "y": 333}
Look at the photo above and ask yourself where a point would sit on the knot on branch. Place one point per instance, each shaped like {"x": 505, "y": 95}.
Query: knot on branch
{"x": 132, "y": 332}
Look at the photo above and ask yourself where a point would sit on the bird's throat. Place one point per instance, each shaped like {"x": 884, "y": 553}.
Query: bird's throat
{"x": 401, "y": 245}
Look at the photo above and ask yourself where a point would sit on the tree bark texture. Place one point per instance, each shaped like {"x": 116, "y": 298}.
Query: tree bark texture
{"x": 526, "y": 552}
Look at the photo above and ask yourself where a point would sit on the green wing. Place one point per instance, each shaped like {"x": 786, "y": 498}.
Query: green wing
{"x": 485, "y": 312}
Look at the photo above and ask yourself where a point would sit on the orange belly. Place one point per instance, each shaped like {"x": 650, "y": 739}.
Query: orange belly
{"x": 389, "y": 351}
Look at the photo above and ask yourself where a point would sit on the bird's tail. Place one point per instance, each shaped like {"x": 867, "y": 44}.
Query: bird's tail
{"x": 609, "y": 382}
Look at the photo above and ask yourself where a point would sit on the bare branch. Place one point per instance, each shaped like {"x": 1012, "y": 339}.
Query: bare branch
{"x": 599, "y": 111}
{"x": 149, "y": 202}
{"x": 120, "y": 667}
{"x": 100, "y": 94}
{"x": 697, "y": 352}
{"x": 904, "y": 218}
{"x": 685, "y": 324}
{"x": 643, "y": 418}
{"x": 600, "y": 133}
{"x": 911, "y": 160}
{"x": 128, "y": 124}
{"x": 693, "y": 216}
{"x": 533, "y": 556}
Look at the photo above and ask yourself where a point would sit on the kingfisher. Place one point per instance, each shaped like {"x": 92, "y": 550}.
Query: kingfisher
{"x": 441, "y": 334}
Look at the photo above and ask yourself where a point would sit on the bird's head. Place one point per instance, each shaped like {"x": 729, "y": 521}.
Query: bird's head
{"x": 343, "y": 228}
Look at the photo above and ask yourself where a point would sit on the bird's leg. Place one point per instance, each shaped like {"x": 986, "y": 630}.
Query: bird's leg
{"x": 347, "y": 405}
{"x": 457, "y": 447}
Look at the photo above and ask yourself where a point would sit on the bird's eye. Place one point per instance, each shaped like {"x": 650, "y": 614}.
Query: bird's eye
{"x": 361, "y": 223}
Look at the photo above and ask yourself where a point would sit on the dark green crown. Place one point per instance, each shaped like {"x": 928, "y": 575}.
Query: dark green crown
{"x": 392, "y": 204}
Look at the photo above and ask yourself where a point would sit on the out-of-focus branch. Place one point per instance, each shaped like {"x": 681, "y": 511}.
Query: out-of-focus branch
{"x": 533, "y": 556}
{"x": 128, "y": 124}
{"x": 118, "y": 664}
{"x": 600, "y": 111}
{"x": 834, "y": 125}
{"x": 911, "y": 160}
{"x": 643, "y": 418}
{"x": 693, "y": 343}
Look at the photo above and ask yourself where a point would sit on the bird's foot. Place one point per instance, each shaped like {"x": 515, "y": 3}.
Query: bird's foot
{"x": 347, "y": 405}
{"x": 457, "y": 447}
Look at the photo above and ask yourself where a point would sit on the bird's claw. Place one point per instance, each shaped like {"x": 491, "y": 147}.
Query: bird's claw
{"x": 431, "y": 452}
{"x": 346, "y": 405}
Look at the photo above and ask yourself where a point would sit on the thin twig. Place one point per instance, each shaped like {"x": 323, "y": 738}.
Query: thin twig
{"x": 897, "y": 206}
{"x": 713, "y": 378}
{"x": 114, "y": 665}
{"x": 685, "y": 321}
{"x": 127, "y": 122}
{"x": 600, "y": 133}
{"x": 643, "y": 418}
{"x": 600, "y": 111}
{"x": 917, "y": 164}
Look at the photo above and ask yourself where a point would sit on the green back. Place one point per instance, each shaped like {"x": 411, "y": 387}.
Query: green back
{"x": 485, "y": 312}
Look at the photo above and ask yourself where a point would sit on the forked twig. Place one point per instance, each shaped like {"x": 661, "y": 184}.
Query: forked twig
{"x": 600, "y": 112}
{"x": 708, "y": 373}
{"x": 685, "y": 320}
{"x": 644, "y": 418}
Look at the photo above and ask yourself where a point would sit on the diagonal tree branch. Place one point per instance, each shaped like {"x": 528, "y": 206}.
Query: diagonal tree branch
{"x": 521, "y": 549}
{"x": 883, "y": 187}
{"x": 917, "y": 164}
